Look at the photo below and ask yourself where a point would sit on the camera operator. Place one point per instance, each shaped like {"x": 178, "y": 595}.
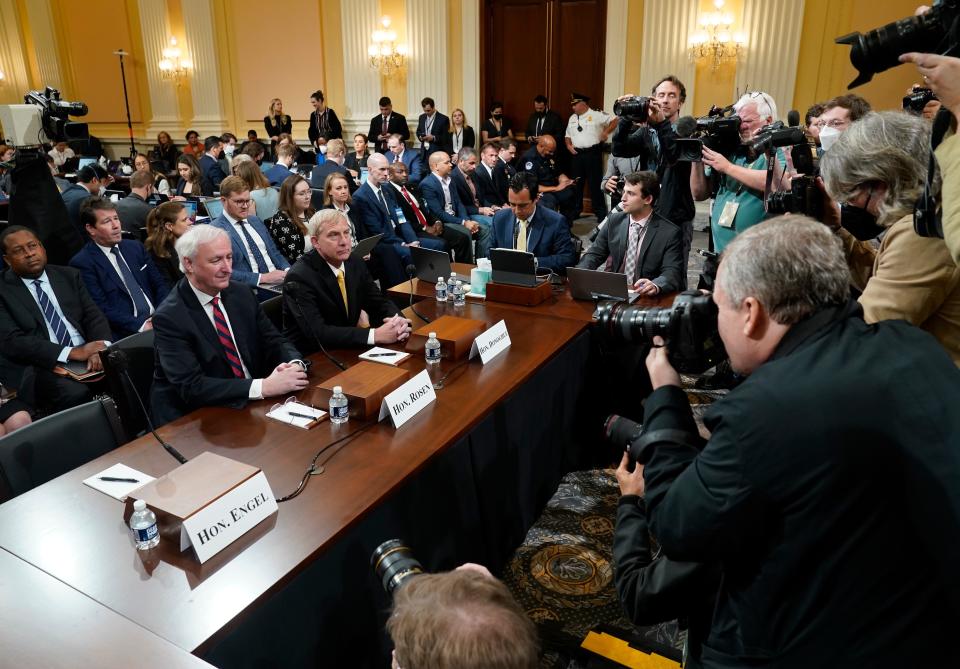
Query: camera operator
{"x": 840, "y": 443}
{"x": 463, "y": 619}
{"x": 878, "y": 168}
{"x": 739, "y": 200}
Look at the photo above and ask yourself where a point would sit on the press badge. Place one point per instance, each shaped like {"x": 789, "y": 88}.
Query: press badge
{"x": 728, "y": 214}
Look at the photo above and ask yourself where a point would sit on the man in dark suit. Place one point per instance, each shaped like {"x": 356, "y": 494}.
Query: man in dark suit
{"x": 526, "y": 227}
{"x": 397, "y": 151}
{"x": 386, "y": 123}
{"x": 639, "y": 242}
{"x": 433, "y": 129}
{"x": 491, "y": 177}
{"x": 415, "y": 212}
{"x": 544, "y": 121}
{"x": 134, "y": 209}
{"x": 210, "y": 161}
{"x": 334, "y": 163}
{"x": 47, "y": 318}
{"x": 329, "y": 296}
{"x": 119, "y": 273}
{"x": 443, "y": 202}
{"x": 214, "y": 344}
{"x": 464, "y": 177}
{"x": 286, "y": 154}
{"x": 91, "y": 180}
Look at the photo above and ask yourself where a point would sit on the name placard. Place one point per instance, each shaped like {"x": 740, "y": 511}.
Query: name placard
{"x": 226, "y": 519}
{"x": 408, "y": 400}
{"x": 491, "y": 343}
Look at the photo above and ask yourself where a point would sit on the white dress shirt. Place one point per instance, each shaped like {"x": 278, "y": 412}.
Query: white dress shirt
{"x": 592, "y": 123}
{"x": 75, "y": 337}
{"x": 256, "y": 240}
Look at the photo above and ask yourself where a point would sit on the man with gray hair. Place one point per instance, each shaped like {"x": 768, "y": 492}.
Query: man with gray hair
{"x": 214, "y": 345}
{"x": 841, "y": 440}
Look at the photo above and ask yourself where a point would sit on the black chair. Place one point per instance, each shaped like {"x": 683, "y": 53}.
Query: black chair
{"x": 135, "y": 354}
{"x": 57, "y": 444}
{"x": 273, "y": 308}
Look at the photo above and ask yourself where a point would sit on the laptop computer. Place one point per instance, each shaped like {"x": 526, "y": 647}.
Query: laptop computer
{"x": 214, "y": 206}
{"x": 433, "y": 264}
{"x": 365, "y": 245}
{"x": 83, "y": 162}
{"x": 591, "y": 284}
{"x": 516, "y": 268}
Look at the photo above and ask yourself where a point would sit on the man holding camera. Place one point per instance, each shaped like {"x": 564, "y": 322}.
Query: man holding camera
{"x": 840, "y": 442}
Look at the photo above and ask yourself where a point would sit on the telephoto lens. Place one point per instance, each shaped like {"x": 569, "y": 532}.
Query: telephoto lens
{"x": 634, "y": 108}
{"x": 393, "y": 563}
{"x": 622, "y": 432}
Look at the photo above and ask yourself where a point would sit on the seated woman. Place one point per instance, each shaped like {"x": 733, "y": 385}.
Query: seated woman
{"x": 160, "y": 183}
{"x": 165, "y": 225}
{"x": 14, "y": 414}
{"x": 194, "y": 146}
{"x": 357, "y": 158}
{"x": 877, "y": 169}
{"x": 266, "y": 200}
{"x": 288, "y": 226}
{"x": 336, "y": 195}
{"x": 303, "y": 157}
{"x": 165, "y": 150}
{"x": 192, "y": 181}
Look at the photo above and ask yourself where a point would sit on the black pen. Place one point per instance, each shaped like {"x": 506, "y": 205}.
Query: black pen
{"x": 302, "y": 415}
{"x": 381, "y": 355}
{"x": 113, "y": 479}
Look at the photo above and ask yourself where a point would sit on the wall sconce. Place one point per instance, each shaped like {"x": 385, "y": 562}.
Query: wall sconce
{"x": 714, "y": 42}
{"x": 2, "y": 77}
{"x": 385, "y": 55}
{"x": 172, "y": 66}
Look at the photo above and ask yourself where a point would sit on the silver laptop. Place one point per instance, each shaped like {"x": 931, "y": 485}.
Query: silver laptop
{"x": 592, "y": 284}
{"x": 432, "y": 264}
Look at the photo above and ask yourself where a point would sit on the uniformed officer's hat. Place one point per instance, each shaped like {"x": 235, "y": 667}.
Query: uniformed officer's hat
{"x": 578, "y": 97}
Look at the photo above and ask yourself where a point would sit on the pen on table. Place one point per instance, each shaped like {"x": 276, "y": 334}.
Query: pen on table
{"x": 114, "y": 479}
{"x": 382, "y": 355}
{"x": 302, "y": 415}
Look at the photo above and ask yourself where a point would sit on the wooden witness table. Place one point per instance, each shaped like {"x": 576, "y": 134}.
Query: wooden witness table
{"x": 462, "y": 480}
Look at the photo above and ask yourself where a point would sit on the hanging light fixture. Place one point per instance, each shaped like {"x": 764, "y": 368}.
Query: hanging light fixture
{"x": 714, "y": 42}
{"x": 172, "y": 66}
{"x": 386, "y": 56}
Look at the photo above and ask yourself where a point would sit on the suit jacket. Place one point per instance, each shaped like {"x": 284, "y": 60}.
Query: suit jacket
{"x": 276, "y": 174}
{"x": 459, "y": 180}
{"x": 491, "y": 190}
{"x": 552, "y": 125}
{"x": 191, "y": 367}
{"x": 548, "y": 239}
{"x": 397, "y": 123}
{"x": 319, "y": 174}
{"x": 353, "y": 163}
{"x": 23, "y": 329}
{"x": 133, "y": 211}
{"x": 432, "y": 191}
{"x": 414, "y": 162}
{"x": 108, "y": 290}
{"x": 242, "y": 265}
{"x": 73, "y": 197}
{"x": 206, "y": 187}
{"x": 211, "y": 170}
{"x": 660, "y": 260}
{"x": 469, "y": 138}
{"x": 313, "y": 307}
{"x": 376, "y": 221}
{"x": 440, "y": 131}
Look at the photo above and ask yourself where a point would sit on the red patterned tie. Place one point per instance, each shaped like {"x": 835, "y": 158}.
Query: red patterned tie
{"x": 226, "y": 340}
{"x": 416, "y": 210}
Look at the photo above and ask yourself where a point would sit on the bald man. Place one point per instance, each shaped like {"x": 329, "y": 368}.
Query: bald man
{"x": 556, "y": 188}
{"x": 444, "y": 204}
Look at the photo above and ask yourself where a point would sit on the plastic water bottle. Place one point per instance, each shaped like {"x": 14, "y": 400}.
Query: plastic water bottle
{"x": 143, "y": 524}
{"x": 431, "y": 353}
{"x": 459, "y": 299}
{"x": 339, "y": 409}
{"x": 441, "y": 290}
{"x": 451, "y": 284}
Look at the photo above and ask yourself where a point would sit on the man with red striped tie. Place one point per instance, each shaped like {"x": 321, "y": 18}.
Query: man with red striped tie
{"x": 214, "y": 344}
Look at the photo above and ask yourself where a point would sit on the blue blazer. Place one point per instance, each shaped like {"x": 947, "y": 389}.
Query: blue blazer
{"x": 548, "y": 239}
{"x": 440, "y": 130}
{"x": 376, "y": 221}
{"x": 73, "y": 197}
{"x": 411, "y": 158}
{"x": 211, "y": 170}
{"x": 276, "y": 174}
{"x": 108, "y": 290}
{"x": 242, "y": 267}
{"x": 432, "y": 191}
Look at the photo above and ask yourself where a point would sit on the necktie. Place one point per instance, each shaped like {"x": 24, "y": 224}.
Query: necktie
{"x": 522, "y": 235}
{"x": 386, "y": 125}
{"x": 630, "y": 268}
{"x": 396, "y": 157}
{"x": 421, "y": 219}
{"x": 383, "y": 201}
{"x": 473, "y": 190}
{"x": 539, "y": 126}
{"x": 343, "y": 289}
{"x": 254, "y": 249}
{"x": 53, "y": 318}
{"x": 140, "y": 306}
{"x": 226, "y": 340}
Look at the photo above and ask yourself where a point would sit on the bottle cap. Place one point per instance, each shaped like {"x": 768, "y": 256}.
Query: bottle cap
{"x": 433, "y": 335}
{"x": 139, "y": 505}
{"x": 460, "y": 283}
{"x": 337, "y": 390}
{"x": 440, "y": 278}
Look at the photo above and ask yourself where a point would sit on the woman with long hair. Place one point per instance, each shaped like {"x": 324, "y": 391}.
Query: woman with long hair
{"x": 336, "y": 195}
{"x": 276, "y": 122}
{"x": 357, "y": 159}
{"x": 265, "y": 199}
{"x": 288, "y": 226}
{"x": 142, "y": 162}
{"x": 461, "y": 134}
{"x": 165, "y": 149}
{"x": 165, "y": 225}
{"x": 192, "y": 181}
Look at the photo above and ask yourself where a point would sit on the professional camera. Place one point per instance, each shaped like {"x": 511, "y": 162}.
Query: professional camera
{"x": 43, "y": 113}
{"x": 622, "y": 433}
{"x": 635, "y": 108}
{"x": 916, "y": 100}
{"x": 719, "y": 131}
{"x": 880, "y": 49}
{"x": 689, "y": 328}
{"x": 393, "y": 563}
{"x": 803, "y": 198}
{"x": 775, "y": 135}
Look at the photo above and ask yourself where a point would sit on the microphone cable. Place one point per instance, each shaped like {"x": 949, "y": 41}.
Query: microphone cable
{"x": 309, "y": 325}
{"x": 411, "y": 270}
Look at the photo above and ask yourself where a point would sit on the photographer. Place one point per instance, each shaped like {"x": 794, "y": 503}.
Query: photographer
{"x": 840, "y": 442}
{"x": 878, "y": 168}
{"x": 739, "y": 200}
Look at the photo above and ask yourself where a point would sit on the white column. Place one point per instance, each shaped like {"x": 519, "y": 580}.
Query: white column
{"x": 470, "y": 51}
{"x": 16, "y": 80}
{"x": 427, "y": 62}
{"x": 667, "y": 26}
{"x": 45, "y": 43}
{"x": 208, "y": 118}
{"x": 770, "y": 62}
{"x": 155, "y": 32}
{"x": 616, "y": 46}
{"x": 358, "y": 19}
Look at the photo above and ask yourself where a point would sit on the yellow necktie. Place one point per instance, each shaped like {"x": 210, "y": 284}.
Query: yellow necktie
{"x": 522, "y": 235}
{"x": 343, "y": 288}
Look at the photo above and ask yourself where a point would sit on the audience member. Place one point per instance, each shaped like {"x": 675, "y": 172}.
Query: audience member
{"x": 214, "y": 345}
{"x": 638, "y": 241}
{"x": 265, "y": 199}
{"x": 91, "y": 180}
{"x": 229, "y": 141}
{"x": 134, "y": 209}
{"x": 255, "y": 150}
{"x": 61, "y": 153}
{"x": 464, "y": 179}
{"x": 491, "y": 177}
{"x": 397, "y": 152}
{"x": 837, "y": 115}
{"x": 334, "y": 164}
{"x": 461, "y": 134}
{"x": 324, "y": 124}
{"x": 507, "y": 155}
{"x": 543, "y": 121}
{"x": 7, "y": 154}
{"x": 357, "y": 159}
{"x": 811, "y": 121}
{"x": 194, "y": 146}
{"x": 288, "y": 226}
{"x": 47, "y": 318}
{"x": 160, "y": 183}
{"x": 586, "y": 132}
{"x": 386, "y": 123}
{"x": 210, "y": 162}
{"x": 192, "y": 181}
{"x": 276, "y": 122}
{"x": 302, "y": 157}
{"x": 557, "y": 190}
{"x": 165, "y": 150}
{"x": 256, "y": 259}
{"x": 165, "y": 225}
{"x": 61, "y": 183}
{"x": 286, "y": 155}
{"x": 495, "y": 126}
{"x": 118, "y": 273}
{"x": 337, "y": 195}
{"x": 433, "y": 130}
{"x": 443, "y": 203}
{"x": 415, "y": 211}
{"x": 329, "y": 296}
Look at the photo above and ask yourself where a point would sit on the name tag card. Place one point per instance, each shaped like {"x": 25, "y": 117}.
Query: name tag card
{"x": 227, "y": 518}
{"x": 491, "y": 343}
{"x": 408, "y": 400}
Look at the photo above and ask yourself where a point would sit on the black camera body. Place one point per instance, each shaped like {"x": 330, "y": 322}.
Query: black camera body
{"x": 774, "y": 136}
{"x": 635, "y": 108}
{"x": 803, "y": 198}
{"x": 55, "y": 113}
{"x": 917, "y": 99}
{"x": 719, "y": 131}
{"x": 689, "y": 327}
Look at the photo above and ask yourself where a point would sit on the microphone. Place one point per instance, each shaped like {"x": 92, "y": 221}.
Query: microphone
{"x": 685, "y": 126}
{"x": 411, "y": 271}
{"x": 290, "y": 288}
{"x": 118, "y": 360}
{"x": 793, "y": 118}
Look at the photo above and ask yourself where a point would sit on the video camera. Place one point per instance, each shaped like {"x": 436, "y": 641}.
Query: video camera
{"x": 917, "y": 99}
{"x": 719, "y": 131}
{"x": 880, "y": 49}
{"x": 43, "y": 114}
{"x": 803, "y": 197}
{"x": 774, "y": 136}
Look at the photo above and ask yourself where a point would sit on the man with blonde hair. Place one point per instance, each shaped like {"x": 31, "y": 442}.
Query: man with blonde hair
{"x": 336, "y": 157}
{"x": 286, "y": 156}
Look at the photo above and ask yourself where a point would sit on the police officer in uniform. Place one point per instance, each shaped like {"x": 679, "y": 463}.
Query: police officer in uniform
{"x": 587, "y": 130}
{"x": 557, "y": 190}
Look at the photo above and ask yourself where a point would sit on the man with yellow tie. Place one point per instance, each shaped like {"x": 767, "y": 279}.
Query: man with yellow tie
{"x": 329, "y": 296}
{"x": 526, "y": 227}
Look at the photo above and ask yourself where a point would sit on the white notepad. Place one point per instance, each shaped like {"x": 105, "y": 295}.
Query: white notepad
{"x": 118, "y": 489}
{"x": 384, "y": 356}
{"x": 282, "y": 414}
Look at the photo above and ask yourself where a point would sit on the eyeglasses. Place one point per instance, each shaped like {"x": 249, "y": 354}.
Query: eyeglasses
{"x": 835, "y": 123}
{"x": 241, "y": 203}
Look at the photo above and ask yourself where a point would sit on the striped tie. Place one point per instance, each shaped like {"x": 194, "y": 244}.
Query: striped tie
{"x": 53, "y": 318}
{"x": 226, "y": 340}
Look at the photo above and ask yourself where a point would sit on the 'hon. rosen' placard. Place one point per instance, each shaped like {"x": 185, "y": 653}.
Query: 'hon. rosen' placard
{"x": 408, "y": 400}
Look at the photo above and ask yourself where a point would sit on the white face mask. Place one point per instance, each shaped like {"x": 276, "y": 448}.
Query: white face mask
{"x": 228, "y": 149}
{"x": 323, "y": 148}
{"x": 829, "y": 137}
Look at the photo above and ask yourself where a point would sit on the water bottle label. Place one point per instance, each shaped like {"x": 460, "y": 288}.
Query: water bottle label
{"x": 146, "y": 534}
{"x": 433, "y": 354}
{"x": 340, "y": 412}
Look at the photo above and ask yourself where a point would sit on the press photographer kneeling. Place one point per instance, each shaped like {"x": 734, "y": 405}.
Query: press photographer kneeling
{"x": 838, "y": 450}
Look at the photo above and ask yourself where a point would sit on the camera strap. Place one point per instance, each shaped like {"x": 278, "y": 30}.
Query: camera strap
{"x": 926, "y": 216}
{"x": 681, "y": 437}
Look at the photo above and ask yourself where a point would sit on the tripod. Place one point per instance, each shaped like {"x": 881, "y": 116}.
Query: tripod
{"x": 126, "y": 102}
